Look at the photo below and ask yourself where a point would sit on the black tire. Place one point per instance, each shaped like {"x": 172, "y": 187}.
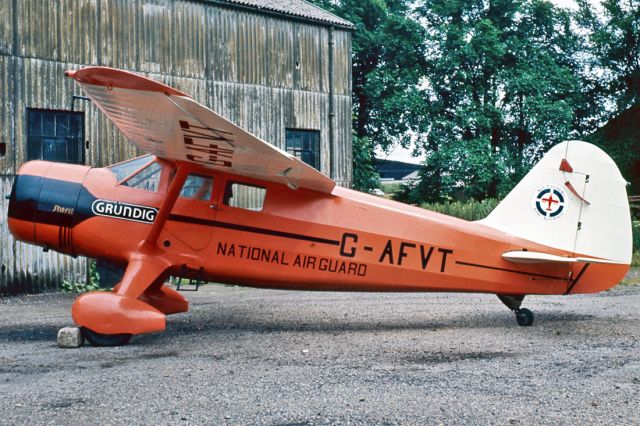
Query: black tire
{"x": 99, "y": 339}
{"x": 524, "y": 317}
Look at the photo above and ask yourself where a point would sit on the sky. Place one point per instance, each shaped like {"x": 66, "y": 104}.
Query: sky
{"x": 401, "y": 154}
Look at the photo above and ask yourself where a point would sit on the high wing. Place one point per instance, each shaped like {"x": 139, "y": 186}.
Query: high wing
{"x": 169, "y": 124}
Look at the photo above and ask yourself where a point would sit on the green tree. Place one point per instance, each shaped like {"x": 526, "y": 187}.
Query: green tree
{"x": 388, "y": 60}
{"x": 365, "y": 175}
{"x": 612, "y": 46}
{"x": 502, "y": 87}
{"x": 613, "y": 41}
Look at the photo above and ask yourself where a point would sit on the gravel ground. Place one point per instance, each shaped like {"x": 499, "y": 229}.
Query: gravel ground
{"x": 250, "y": 356}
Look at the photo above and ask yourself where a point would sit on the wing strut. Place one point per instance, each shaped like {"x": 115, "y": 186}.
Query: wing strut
{"x": 165, "y": 209}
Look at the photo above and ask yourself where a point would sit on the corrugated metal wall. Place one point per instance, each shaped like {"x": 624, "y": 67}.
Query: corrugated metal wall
{"x": 264, "y": 73}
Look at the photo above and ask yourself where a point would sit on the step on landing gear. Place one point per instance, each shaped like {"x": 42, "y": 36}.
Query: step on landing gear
{"x": 193, "y": 284}
{"x": 524, "y": 316}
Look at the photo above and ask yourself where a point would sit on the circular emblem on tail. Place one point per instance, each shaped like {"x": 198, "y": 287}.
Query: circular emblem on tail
{"x": 549, "y": 202}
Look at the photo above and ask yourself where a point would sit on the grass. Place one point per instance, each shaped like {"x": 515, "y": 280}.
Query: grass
{"x": 633, "y": 278}
{"x": 627, "y": 282}
{"x": 469, "y": 210}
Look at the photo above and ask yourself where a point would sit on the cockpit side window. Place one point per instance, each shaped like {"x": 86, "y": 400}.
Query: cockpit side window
{"x": 141, "y": 173}
{"x": 197, "y": 187}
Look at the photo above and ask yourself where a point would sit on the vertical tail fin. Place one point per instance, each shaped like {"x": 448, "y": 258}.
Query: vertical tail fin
{"x": 574, "y": 199}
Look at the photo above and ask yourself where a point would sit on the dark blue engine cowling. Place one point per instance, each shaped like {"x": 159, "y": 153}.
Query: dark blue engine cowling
{"x": 41, "y": 197}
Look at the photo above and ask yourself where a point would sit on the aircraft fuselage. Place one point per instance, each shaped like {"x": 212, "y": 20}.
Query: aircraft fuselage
{"x": 295, "y": 238}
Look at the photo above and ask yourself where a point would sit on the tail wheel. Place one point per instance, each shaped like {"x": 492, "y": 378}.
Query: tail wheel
{"x": 99, "y": 339}
{"x": 524, "y": 316}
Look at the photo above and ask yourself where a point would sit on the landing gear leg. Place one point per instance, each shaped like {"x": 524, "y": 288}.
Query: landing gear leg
{"x": 524, "y": 316}
{"x": 111, "y": 318}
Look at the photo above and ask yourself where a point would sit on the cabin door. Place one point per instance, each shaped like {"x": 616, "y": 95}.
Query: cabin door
{"x": 192, "y": 218}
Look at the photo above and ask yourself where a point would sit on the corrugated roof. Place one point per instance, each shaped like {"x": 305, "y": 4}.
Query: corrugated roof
{"x": 298, "y": 8}
{"x": 396, "y": 170}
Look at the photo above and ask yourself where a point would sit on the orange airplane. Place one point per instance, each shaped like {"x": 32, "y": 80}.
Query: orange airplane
{"x": 214, "y": 203}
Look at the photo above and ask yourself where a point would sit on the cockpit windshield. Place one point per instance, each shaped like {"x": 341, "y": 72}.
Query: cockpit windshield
{"x": 142, "y": 173}
{"x": 128, "y": 167}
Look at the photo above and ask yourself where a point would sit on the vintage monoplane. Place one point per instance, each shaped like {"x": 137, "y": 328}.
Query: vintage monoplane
{"x": 215, "y": 203}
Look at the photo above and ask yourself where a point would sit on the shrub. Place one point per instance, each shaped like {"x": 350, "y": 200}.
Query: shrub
{"x": 92, "y": 284}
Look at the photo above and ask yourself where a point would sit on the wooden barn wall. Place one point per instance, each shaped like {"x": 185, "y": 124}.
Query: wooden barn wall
{"x": 6, "y": 27}
{"x": 7, "y": 113}
{"x": 194, "y": 46}
{"x": 264, "y": 73}
{"x": 181, "y": 38}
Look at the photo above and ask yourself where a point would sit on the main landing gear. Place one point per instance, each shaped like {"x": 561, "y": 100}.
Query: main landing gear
{"x": 99, "y": 339}
{"x": 524, "y": 316}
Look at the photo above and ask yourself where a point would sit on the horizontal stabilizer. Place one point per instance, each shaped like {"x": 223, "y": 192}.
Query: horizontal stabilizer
{"x": 539, "y": 257}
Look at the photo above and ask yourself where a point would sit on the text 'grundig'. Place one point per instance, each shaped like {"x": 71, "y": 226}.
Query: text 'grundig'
{"x": 124, "y": 211}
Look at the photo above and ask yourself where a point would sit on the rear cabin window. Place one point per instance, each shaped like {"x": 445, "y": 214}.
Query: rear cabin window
{"x": 246, "y": 197}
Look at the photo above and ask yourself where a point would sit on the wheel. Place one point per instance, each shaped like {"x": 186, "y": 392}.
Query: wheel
{"x": 99, "y": 339}
{"x": 524, "y": 316}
